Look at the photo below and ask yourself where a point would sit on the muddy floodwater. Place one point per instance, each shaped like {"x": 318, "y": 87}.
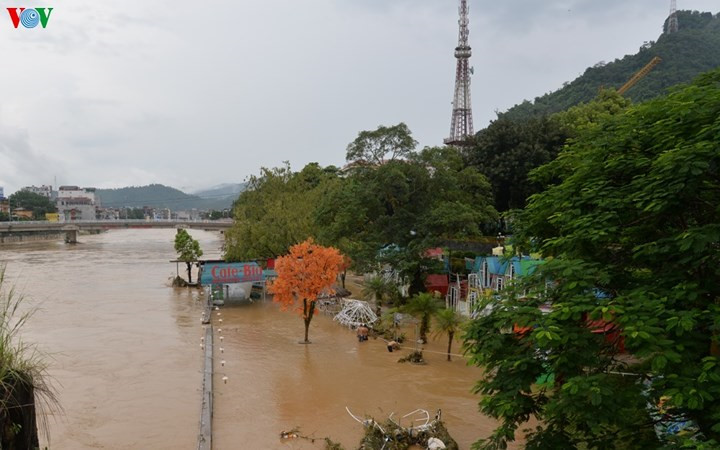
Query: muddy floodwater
{"x": 124, "y": 353}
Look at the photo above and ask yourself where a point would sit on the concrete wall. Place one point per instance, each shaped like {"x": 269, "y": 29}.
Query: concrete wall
{"x": 31, "y": 236}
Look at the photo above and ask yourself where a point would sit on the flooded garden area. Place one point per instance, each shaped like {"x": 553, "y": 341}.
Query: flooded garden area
{"x": 124, "y": 352}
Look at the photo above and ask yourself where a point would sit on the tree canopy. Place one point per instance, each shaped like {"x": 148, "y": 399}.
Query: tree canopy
{"x": 188, "y": 249}
{"x": 38, "y": 204}
{"x": 376, "y": 213}
{"x": 394, "y": 212}
{"x": 381, "y": 145}
{"x": 306, "y": 272}
{"x": 630, "y": 228}
{"x": 509, "y": 149}
{"x": 275, "y": 211}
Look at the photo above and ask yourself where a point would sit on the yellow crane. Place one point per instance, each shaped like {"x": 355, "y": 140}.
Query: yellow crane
{"x": 639, "y": 75}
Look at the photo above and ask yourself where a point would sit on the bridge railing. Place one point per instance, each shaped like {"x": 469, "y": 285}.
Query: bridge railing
{"x": 110, "y": 222}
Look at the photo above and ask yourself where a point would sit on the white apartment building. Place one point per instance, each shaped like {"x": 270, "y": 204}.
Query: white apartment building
{"x": 76, "y": 203}
{"x": 73, "y": 192}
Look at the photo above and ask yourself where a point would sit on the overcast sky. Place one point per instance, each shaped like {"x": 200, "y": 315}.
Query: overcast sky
{"x": 193, "y": 94}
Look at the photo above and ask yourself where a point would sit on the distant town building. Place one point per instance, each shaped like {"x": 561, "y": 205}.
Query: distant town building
{"x": 2, "y": 193}
{"x": 193, "y": 214}
{"x": 66, "y": 192}
{"x": 45, "y": 191}
{"x": 163, "y": 214}
{"x": 107, "y": 214}
{"x": 76, "y": 203}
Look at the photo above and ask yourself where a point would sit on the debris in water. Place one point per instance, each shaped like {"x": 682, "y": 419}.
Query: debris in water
{"x": 420, "y": 431}
{"x": 292, "y": 434}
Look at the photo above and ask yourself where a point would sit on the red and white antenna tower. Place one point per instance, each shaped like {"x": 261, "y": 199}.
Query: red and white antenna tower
{"x": 672, "y": 25}
{"x": 461, "y": 125}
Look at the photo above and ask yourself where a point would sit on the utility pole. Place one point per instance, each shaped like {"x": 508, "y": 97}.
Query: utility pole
{"x": 672, "y": 23}
{"x": 461, "y": 125}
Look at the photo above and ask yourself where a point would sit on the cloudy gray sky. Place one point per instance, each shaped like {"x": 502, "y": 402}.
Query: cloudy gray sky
{"x": 193, "y": 94}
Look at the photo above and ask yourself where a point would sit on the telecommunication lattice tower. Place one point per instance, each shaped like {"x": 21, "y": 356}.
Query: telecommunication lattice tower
{"x": 672, "y": 25}
{"x": 461, "y": 124}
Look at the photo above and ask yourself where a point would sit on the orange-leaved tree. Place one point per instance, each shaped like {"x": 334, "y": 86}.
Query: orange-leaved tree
{"x": 302, "y": 275}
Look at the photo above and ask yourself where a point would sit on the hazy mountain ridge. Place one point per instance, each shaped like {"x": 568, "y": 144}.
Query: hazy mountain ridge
{"x": 221, "y": 190}
{"x": 694, "y": 49}
{"x": 161, "y": 196}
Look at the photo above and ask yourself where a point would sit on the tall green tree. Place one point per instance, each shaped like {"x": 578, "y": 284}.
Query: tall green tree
{"x": 38, "y": 204}
{"x": 381, "y": 145}
{"x": 188, "y": 250}
{"x": 276, "y": 211}
{"x": 631, "y": 233}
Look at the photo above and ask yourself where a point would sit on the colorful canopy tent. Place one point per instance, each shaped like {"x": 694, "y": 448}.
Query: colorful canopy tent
{"x": 355, "y": 313}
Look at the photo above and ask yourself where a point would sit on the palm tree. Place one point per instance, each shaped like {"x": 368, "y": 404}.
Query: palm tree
{"x": 423, "y": 306}
{"x": 375, "y": 289}
{"x": 448, "y": 321}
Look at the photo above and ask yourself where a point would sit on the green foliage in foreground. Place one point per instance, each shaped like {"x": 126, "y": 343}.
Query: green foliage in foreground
{"x": 24, "y": 382}
{"x": 630, "y": 228}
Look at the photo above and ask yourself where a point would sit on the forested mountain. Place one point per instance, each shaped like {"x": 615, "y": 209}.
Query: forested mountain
{"x": 159, "y": 196}
{"x": 694, "y": 49}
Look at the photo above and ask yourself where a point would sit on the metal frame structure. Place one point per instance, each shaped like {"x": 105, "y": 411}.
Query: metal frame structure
{"x": 461, "y": 124}
{"x": 672, "y": 25}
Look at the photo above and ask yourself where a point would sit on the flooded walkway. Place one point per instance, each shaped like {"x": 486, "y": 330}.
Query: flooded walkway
{"x": 276, "y": 384}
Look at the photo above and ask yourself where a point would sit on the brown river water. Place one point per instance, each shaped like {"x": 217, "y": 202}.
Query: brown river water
{"x": 124, "y": 353}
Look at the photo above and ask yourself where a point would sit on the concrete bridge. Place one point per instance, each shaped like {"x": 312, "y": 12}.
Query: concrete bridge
{"x": 72, "y": 228}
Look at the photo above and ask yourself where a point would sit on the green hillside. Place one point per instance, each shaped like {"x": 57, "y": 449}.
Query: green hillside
{"x": 157, "y": 196}
{"x": 694, "y": 49}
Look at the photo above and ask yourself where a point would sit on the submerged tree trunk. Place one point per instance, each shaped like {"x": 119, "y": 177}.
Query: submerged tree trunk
{"x": 18, "y": 426}
{"x": 308, "y": 311}
{"x": 424, "y": 326}
{"x": 189, "y": 269}
{"x": 451, "y": 335}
